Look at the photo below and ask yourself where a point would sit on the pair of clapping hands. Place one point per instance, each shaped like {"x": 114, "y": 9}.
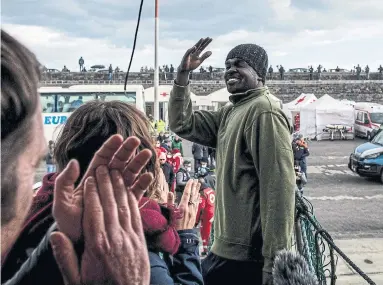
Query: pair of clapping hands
{"x": 103, "y": 212}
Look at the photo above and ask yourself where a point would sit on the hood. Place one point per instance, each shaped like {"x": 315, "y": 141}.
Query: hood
{"x": 366, "y": 146}
{"x": 248, "y": 95}
{"x": 372, "y": 153}
{"x": 204, "y": 186}
{"x": 42, "y": 197}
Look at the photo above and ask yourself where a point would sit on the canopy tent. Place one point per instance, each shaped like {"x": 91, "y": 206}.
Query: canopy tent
{"x": 325, "y": 111}
{"x": 302, "y": 100}
{"x": 293, "y": 108}
{"x": 164, "y": 94}
{"x": 222, "y": 96}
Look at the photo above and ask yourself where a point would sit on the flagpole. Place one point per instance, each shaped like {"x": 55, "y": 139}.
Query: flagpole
{"x": 156, "y": 67}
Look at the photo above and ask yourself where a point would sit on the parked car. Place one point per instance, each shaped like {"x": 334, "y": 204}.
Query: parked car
{"x": 367, "y": 159}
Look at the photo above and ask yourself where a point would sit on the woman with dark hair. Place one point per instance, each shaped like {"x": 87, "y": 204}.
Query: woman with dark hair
{"x": 166, "y": 230}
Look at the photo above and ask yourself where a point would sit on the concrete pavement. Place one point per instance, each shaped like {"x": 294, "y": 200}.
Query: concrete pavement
{"x": 367, "y": 254}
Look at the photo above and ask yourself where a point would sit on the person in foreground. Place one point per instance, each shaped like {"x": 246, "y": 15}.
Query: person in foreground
{"x": 22, "y": 148}
{"x": 255, "y": 198}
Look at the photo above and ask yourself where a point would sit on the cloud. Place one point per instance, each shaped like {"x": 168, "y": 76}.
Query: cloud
{"x": 295, "y": 33}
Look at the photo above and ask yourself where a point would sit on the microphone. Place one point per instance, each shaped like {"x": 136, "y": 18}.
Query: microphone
{"x": 290, "y": 268}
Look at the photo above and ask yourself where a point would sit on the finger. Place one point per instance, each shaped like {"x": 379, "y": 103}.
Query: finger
{"x": 120, "y": 195}
{"x": 108, "y": 202}
{"x": 201, "y": 46}
{"x": 124, "y": 153}
{"x": 64, "y": 185}
{"x": 199, "y": 43}
{"x": 93, "y": 221}
{"x": 66, "y": 258}
{"x": 193, "y": 191}
{"x": 193, "y": 49}
{"x": 142, "y": 184}
{"x": 135, "y": 216}
{"x": 205, "y": 43}
{"x": 171, "y": 199}
{"x": 104, "y": 155}
{"x": 135, "y": 166}
{"x": 196, "y": 186}
{"x": 189, "y": 51}
{"x": 205, "y": 56}
{"x": 186, "y": 195}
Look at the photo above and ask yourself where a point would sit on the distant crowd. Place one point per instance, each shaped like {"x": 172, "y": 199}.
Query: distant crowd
{"x": 168, "y": 71}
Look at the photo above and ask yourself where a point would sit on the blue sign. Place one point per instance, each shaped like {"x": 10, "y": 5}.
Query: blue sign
{"x": 55, "y": 120}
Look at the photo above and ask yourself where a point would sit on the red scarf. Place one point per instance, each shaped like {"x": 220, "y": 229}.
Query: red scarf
{"x": 159, "y": 226}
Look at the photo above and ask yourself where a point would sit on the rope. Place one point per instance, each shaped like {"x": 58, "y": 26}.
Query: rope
{"x": 134, "y": 43}
{"x": 306, "y": 217}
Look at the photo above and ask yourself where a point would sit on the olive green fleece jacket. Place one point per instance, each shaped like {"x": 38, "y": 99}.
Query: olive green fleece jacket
{"x": 254, "y": 213}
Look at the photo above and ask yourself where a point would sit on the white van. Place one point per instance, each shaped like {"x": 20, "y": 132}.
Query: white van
{"x": 368, "y": 117}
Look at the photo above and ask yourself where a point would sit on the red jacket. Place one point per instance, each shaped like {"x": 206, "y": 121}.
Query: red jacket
{"x": 205, "y": 214}
{"x": 177, "y": 160}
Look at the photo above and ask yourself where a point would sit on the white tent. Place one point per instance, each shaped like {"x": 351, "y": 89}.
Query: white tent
{"x": 222, "y": 96}
{"x": 164, "y": 94}
{"x": 294, "y": 107}
{"x": 325, "y": 111}
{"x": 302, "y": 100}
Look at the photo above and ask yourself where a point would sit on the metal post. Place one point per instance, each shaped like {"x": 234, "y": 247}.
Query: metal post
{"x": 156, "y": 71}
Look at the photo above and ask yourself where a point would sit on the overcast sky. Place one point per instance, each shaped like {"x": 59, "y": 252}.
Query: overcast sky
{"x": 295, "y": 33}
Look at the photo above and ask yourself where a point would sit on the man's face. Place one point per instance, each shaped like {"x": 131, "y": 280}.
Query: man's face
{"x": 204, "y": 165}
{"x": 239, "y": 76}
{"x": 162, "y": 158}
{"x": 27, "y": 162}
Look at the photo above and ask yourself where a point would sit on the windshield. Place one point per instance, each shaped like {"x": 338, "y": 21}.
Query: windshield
{"x": 378, "y": 139}
{"x": 376, "y": 118}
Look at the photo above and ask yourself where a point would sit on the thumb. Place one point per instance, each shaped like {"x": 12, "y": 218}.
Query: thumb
{"x": 170, "y": 199}
{"x": 66, "y": 258}
{"x": 64, "y": 186}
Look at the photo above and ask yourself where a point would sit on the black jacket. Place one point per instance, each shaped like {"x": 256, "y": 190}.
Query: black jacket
{"x": 40, "y": 268}
{"x": 182, "y": 268}
{"x": 198, "y": 151}
{"x": 167, "y": 169}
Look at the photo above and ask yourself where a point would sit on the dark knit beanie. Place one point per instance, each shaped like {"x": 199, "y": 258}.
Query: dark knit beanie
{"x": 253, "y": 55}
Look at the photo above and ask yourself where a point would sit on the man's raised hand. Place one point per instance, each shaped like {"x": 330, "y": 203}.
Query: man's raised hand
{"x": 193, "y": 58}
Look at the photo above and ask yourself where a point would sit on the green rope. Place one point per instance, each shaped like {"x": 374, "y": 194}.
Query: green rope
{"x": 310, "y": 251}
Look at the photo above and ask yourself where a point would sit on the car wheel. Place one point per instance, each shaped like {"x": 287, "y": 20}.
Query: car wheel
{"x": 381, "y": 176}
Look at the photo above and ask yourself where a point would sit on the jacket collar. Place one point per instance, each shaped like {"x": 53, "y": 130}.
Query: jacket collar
{"x": 239, "y": 98}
